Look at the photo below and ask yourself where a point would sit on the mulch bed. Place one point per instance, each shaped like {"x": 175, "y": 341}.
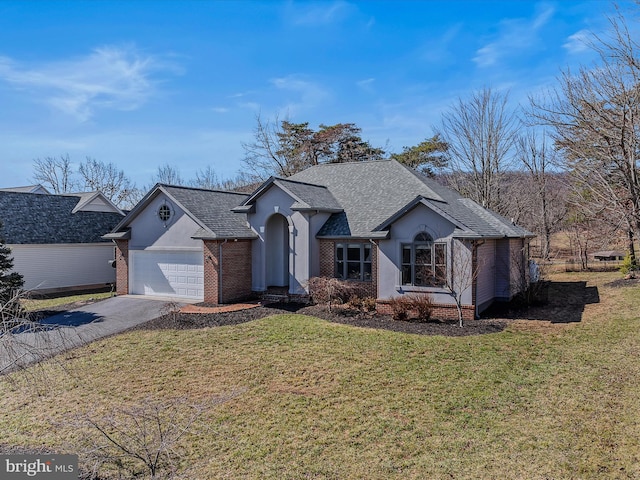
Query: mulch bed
{"x": 186, "y": 321}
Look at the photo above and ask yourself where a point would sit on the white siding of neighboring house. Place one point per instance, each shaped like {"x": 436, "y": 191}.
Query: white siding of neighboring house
{"x": 64, "y": 265}
{"x": 485, "y": 292}
{"x": 98, "y": 204}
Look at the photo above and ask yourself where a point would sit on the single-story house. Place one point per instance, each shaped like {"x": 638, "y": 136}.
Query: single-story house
{"x": 608, "y": 255}
{"x": 56, "y": 240}
{"x": 386, "y": 227}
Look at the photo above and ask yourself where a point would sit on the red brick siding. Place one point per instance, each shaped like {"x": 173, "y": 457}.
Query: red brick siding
{"x": 211, "y": 252}
{"x": 327, "y": 258}
{"x": 122, "y": 267}
{"x": 327, "y": 265}
{"x": 236, "y": 271}
{"x": 440, "y": 311}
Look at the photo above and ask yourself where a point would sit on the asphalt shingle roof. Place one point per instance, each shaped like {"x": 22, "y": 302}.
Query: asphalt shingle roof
{"x": 371, "y": 193}
{"x": 312, "y": 197}
{"x": 29, "y": 218}
{"x": 212, "y": 208}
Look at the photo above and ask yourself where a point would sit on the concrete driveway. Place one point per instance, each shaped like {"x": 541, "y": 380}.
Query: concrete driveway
{"x": 78, "y": 327}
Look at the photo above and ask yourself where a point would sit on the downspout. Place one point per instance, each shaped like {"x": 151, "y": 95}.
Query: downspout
{"x": 377, "y": 250}
{"x": 220, "y": 269}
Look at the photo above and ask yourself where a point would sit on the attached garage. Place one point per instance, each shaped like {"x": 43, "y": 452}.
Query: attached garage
{"x": 167, "y": 273}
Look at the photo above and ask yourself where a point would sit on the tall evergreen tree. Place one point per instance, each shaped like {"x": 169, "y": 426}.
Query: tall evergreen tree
{"x": 10, "y": 282}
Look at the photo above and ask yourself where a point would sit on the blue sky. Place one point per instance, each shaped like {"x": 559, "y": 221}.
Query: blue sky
{"x": 143, "y": 83}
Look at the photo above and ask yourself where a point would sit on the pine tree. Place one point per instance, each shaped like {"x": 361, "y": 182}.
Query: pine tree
{"x": 10, "y": 282}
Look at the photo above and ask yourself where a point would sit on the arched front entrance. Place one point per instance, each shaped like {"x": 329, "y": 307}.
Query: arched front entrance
{"x": 277, "y": 251}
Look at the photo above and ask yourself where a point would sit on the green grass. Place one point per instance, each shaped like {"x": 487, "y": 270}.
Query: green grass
{"x": 327, "y": 401}
{"x": 31, "y": 304}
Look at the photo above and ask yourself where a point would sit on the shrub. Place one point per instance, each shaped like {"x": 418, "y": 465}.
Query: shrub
{"x": 400, "y": 308}
{"x": 356, "y": 302}
{"x": 369, "y": 304}
{"x": 329, "y": 291}
{"x": 628, "y": 267}
{"x": 414, "y": 307}
{"x": 423, "y": 307}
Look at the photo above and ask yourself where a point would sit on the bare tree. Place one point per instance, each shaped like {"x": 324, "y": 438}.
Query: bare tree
{"x": 108, "y": 179}
{"x": 55, "y": 173}
{"x": 140, "y": 438}
{"x": 206, "y": 178}
{"x": 462, "y": 275}
{"x": 545, "y": 200}
{"x": 595, "y": 119}
{"x": 480, "y": 134}
{"x": 168, "y": 174}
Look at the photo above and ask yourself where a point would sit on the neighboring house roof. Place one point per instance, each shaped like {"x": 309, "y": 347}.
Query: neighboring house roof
{"x": 49, "y": 219}
{"x": 307, "y": 197}
{"x": 210, "y": 209}
{"x": 95, "y": 202}
{"x": 608, "y": 254}
{"x": 26, "y": 189}
{"x": 375, "y": 194}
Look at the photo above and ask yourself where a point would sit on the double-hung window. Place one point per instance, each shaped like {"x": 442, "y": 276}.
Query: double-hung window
{"x": 424, "y": 263}
{"x": 353, "y": 261}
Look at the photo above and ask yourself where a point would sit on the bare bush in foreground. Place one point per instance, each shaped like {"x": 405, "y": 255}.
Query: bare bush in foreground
{"x": 143, "y": 439}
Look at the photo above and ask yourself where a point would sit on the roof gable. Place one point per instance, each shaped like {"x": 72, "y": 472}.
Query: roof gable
{"x": 210, "y": 209}
{"x": 95, "y": 202}
{"x": 306, "y": 196}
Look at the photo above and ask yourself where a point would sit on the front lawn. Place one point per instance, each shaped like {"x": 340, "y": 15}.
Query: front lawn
{"x": 313, "y": 399}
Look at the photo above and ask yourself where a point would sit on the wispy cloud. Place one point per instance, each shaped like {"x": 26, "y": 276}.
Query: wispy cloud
{"x": 578, "y": 42}
{"x": 310, "y": 94}
{"x": 514, "y": 36}
{"x": 366, "y": 84}
{"x": 109, "y": 77}
{"x": 318, "y": 14}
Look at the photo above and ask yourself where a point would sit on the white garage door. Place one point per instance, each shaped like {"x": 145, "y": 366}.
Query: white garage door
{"x": 174, "y": 274}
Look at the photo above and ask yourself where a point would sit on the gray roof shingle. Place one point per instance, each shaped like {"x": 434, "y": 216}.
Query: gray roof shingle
{"x": 28, "y": 218}
{"x": 372, "y": 193}
{"x": 212, "y": 208}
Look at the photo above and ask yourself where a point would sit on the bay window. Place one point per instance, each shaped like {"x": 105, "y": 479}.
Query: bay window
{"x": 424, "y": 263}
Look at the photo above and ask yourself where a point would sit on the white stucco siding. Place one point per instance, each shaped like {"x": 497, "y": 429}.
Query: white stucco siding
{"x": 64, "y": 265}
{"x": 277, "y": 202}
{"x": 486, "y": 274}
{"x": 390, "y": 251}
{"x": 149, "y": 232}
